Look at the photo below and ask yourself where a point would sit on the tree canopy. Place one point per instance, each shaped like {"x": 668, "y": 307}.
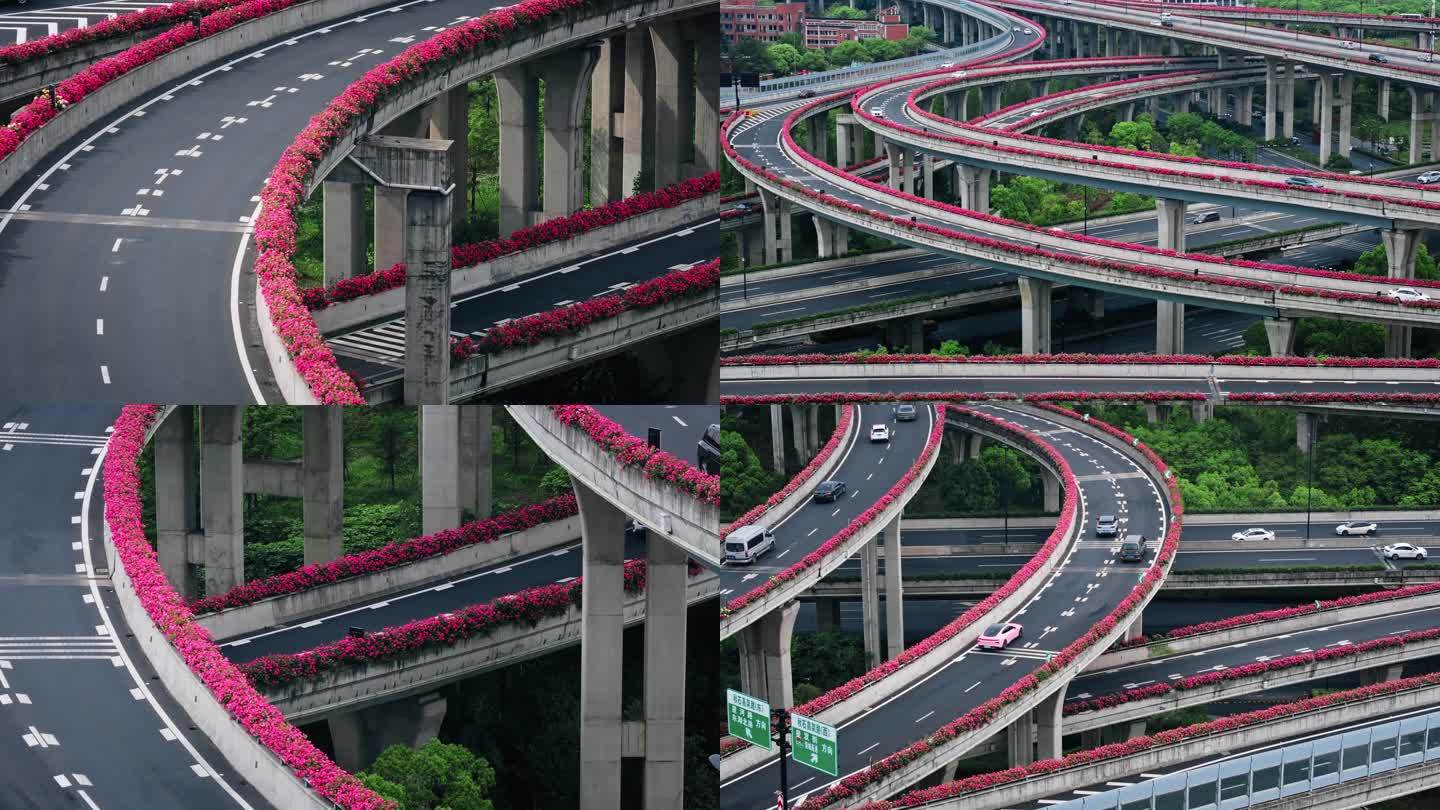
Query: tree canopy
{"x": 437, "y": 776}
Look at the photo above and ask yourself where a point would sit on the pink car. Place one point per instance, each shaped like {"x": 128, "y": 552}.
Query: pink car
{"x": 999, "y": 636}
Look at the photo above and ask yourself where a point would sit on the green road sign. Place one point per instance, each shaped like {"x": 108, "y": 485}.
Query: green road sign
{"x": 748, "y": 718}
{"x": 813, "y": 744}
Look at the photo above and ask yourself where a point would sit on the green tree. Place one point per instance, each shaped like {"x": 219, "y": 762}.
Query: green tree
{"x": 951, "y": 348}
{"x": 1125, "y": 202}
{"x": 917, "y": 39}
{"x": 785, "y": 58}
{"x": 844, "y": 13}
{"x": 1138, "y": 134}
{"x": 743, "y": 481}
{"x": 849, "y": 52}
{"x": 882, "y": 50}
{"x": 1185, "y": 148}
{"x": 1375, "y": 262}
{"x": 793, "y": 39}
{"x": 814, "y": 60}
{"x": 750, "y": 56}
{"x": 437, "y": 776}
{"x": 1185, "y": 126}
{"x": 1370, "y": 129}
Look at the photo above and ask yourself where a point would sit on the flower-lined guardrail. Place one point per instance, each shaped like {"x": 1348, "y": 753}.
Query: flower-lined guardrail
{"x": 1137, "y": 745}
{"x": 859, "y": 524}
{"x": 40, "y": 111}
{"x": 951, "y": 396}
{"x": 1251, "y": 670}
{"x": 1342, "y": 399}
{"x": 391, "y": 555}
{"x": 284, "y": 191}
{"x": 124, "y": 516}
{"x": 842, "y": 429}
{"x": 526, "y": 607}
{"x": 552, "y": 230}
{"x": 629, "y": 451}
{"x": 984, "y": 714}
{"x": 112, "y": 28}
{"x": 1084, "y": 359}
{"x": 1278, "y": 614}
{"x": 531, "y": 329}
{"x": 1182, "y": 77}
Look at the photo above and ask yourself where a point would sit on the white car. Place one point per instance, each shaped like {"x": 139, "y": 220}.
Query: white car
{"x": 1028, "y": 31}
{"x": 1016, "y": 29}
{"x": 879, "y": 433}
{"x": 1404, "y": 551}
{"x": 1253, "y": 535}
{"x": 878, "y": 112}
{"x": 1406, "y": 294}
{"x": 1349, "y": 45}
{"x": 1428, "y": 177}
{"x": 1363, "y": 528}
{"x": 948, "y": 65}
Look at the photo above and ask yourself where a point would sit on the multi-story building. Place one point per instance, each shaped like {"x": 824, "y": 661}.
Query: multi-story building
{"x": 829, "y": 33}
{"x": 748, "y": 19}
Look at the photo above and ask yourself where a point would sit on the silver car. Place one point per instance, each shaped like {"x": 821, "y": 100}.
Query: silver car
{"x": 1364, "y": 528}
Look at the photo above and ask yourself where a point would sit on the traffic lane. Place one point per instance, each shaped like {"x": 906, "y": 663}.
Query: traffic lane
{"x": 950, "y": 384}
{"x": 1229, "y": 656}
{"x": 431, "y": 599}
{"x": 869, "y": 469}
{"x": 994, "y": 532}
{"x": 736, "y": 295}
{"x": 681, "y": 426}
{"x": 932, "y": 565}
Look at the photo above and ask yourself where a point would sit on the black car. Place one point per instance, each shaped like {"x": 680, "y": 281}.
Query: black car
{"x": 1132, "y": 549}
{"x": 1375, "y": 57}
{"x": 708, "y": 451}
{"x": 905, "y": 413}
{"x": 807, "y": 94}
{"x": 829, "y": 491}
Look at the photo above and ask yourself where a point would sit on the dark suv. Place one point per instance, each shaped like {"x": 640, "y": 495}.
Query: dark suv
{"x": 829, "y": 491}
{"x": 1133, "y": 548}
{"x": 707, "y": 450}
{"x": 1106, "y": 526}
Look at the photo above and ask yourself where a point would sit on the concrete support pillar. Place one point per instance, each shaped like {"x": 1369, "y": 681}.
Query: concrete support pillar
{"x": 1137, "y": 627}
{"x": 1091, "y": 303}
{"x": 1383, "y": 103}
{"x": 1112, "y": 45}
{"x": 1035, "y": 315}
{"x": 517, "y": 92}
{"x": 449, "y": 120}
{"x": 870, "y": 601}
{"x": 428, "y": 235}
{"x": 389, "y": 226}
{"x": 639, "y": 118}
{"x": 947, "y": 35}
{"x": 707, "y": 99}
{"x": 777, "y": 227}
{"x": 476, "y": 439}
{"x": 1287, "y": 98}
{"x": 1182, "y": 102}
{"x": 894, "y": 592}
{"x": 907, "y": 170}
{"x": 1401, "y": 246}
{"x": 1304, "y": 429}
{"x": 765, "y": 656}
{"x": 567, "y": 82}
{"x": 602, "y": 627}
{"x": 322, "y": 472}
{"x": 175, "y": 500}
{"x": 1244, "y": 105}
{"x": 1049, "y": 727}
{"x": 607, "y": 109}
{"x": 1417, "y": 115}
{"x": 777, "y": 439}
{"x": 1052, "y": 492}
{"x": 1272, "y": 97}
{"x": 1020, "y": 740}
{"x": 1215, "y": 101}
{"x": 1347, "y": 109}
{"x": 798, "y": 433}
{"x": 990, "y": 96}
{"x": 360, "y": 736}
{"x": 344, "y": 226}
{"x": 827, "y": 614}
{"x": 832, "y": 238}
{"x": 1280, "y": 332}
{"x": 974, "y": 183}
{"x": 1170, "y": 315}
{"x": 927, "y": 171}
{"x": 665, "y": 622}
{"x": 812, "y": 430}
{"x": 1040, "y": 87}
{"x": 439, "y": 468}
{"x": 1202, "y": 411}
{"x": 674, "y": 101}
{"x": 895, "y": 177}
{"x": 222, "y": 490}
{"x": 844, "y": 148}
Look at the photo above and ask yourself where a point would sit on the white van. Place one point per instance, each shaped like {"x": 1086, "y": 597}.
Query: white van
{"x": 747, "y": 543}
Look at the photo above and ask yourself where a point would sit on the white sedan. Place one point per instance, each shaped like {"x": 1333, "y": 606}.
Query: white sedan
{"x": 1361, "y": 527}
{"x": 879, "y": 433}
{"x": 1404, "y": 551}
{"x": 1406, "y": 294}
{"x": 1428, "y": 177}
{"x": 1253, "y": 534}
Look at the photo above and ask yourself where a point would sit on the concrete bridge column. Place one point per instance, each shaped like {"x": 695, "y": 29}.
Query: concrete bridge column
{"x": 955, "y": 104}
{"x": 776, "y": 213}
{"x": 607, "y": 111}
{"x": 894, "y": 592}
{"x": 907, "y": 170}
{"x": 222, "y": 488}
{"x": 1383, "y": 103}
{"x": 990, "y": 96}
{"x": 1400, "y": 249}
{"x": 1049, "y": 726}
{"x": 639, "y": 119}
{"x": 1034, "y": 315}
{"x": 1287, "y": 100}
{"x": 1127, "y": 111}
{"x": 896, "y": 177}
{"x": 947, "y": 36}
{"x": 1020, "y": 740}
{"x": 602, "y": 627}
{"x": 1040, "y": 87}
{"x": 870, "y": 601}
{"x": 344, "y": 227}
{"x": 1418, "y": 100}
{"x": 1304, "y": 430}
{"x": 777, "y": 439}
{"x": 439, "y": 468}
{"x": 1075, "y": 39}
{"x": 1112, "y": 42}
{"x": 449, "y": 120}
{"x": 1137, "y": 627}
{"x": 974, "y": 446}
{"x": 1052, "y": 492}
{"x": 812, "y": 429}
{"x": 674, "y": 102}
{"x": 1245, "y": 101}
{"x": 1280, "y": 332}
{"x": 389, "y": 226}
{"x": 833, "y": 238}
{"x": 707, "y": 97}
{"x": 665, "y": 624}
{"x": 816, "y": 142}
{"x": 765, "y": 656}
{"x": 517, "y": 92}
{"x": 1272, "y": 96}
{"x": 798, "y": 433}
{"x": 927, "y": 172}
{"x": 360, "y": 736}
{"x": 974, "y": 183}
{"x": 844, "y": 148}
{"x": 322, "y": 472}
{"x": 1215, "y": 100}
{"x": 1090, "y": 302}
{"x": 1202, "y": 411}
{"x": 827, "y": 614}
{"x": 473, "y": 451}
{"x": 1170, "y": 315}
{"x": 567, "y": 82}
{"x": 176, "y": 516}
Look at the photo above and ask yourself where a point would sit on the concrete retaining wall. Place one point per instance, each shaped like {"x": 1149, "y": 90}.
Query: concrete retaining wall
{"x": 391, "y": 303}
{"x": 357, "y": 590}
{"x": 287, "y": 377}
{"x": 27, "y": 79}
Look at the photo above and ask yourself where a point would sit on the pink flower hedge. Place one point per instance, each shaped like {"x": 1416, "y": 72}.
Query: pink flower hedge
{"x": 1086, "y": 359}
{"x": 527, "y": 607}
{"x": 124, "y": 516}
{"x": 952, "y": 396}
{"x": 391, "y": 555}
{"x": 554, "y": 230}
{"x": 1137, "y": 745}
{"x": 842, "y": 429}
{"x": 986, "y": 713}
{"x": 861, "y": 523}
{"x": 1251, "y": 670}
{"x": 113, "y": 28}
{"x": 1356, "y": 399}
{"x": 284, "y": 191}
{"x": 631, "y": 451}
{"x": 701, "y": 279}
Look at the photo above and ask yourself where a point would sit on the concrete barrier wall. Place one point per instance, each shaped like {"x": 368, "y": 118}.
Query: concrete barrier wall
{"x": 28, "y": 78}
{"x": 677, "y": 516}
{"x": 102, "y": 104}
{"x": 1196, "y": 372}
{"x": 820, "y": 266}
{"x": 391, "y": 303}
{"x": 383, "y": 681}
{"x": 800, "y": 497}
{"x": 293, "y": 387}
{"x": 358, "y": 590}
